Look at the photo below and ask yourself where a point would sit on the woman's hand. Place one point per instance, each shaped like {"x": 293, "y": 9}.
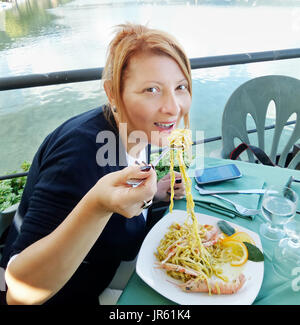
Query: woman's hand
{"x": 115, "y": 195}
{"x": 164, "y": 188}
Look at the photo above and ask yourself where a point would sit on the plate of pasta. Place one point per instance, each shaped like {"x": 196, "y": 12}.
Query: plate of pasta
{"x": 191, "y": 270}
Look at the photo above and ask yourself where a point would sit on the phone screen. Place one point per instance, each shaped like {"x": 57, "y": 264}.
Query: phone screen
{"x": 217, "y": 174}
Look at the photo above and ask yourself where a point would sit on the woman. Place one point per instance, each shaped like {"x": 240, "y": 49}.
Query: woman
{"x": 80, "y": 218}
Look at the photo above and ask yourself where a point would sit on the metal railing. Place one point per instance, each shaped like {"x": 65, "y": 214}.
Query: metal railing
{"x": 62, "y": 77}
{"x": 82, "y": 75}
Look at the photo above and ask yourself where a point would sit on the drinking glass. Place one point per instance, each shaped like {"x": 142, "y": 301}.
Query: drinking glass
{"x": 278, "y": 206}
{"x": 286, "y": 256}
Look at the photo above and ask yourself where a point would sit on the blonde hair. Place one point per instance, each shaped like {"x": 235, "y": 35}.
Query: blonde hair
{"x": 131, "y": 39}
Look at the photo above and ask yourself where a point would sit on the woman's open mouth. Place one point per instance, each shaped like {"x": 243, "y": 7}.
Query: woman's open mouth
{"x": 165, "y": 126}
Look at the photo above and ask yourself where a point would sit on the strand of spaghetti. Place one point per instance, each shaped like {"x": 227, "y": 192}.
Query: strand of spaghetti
{"x": 190, "y": 205}
{"x": 172, "y": 174}
{"x": 190, "y": 202}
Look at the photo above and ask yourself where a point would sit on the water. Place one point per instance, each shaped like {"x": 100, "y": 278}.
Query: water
{"x": 279, "y": 210}
{"x": 40, "y": 36}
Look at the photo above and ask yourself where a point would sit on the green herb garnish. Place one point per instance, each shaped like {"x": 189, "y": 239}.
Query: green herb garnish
{"x": 254, "y": 253}
{"x": 226, "y": 228}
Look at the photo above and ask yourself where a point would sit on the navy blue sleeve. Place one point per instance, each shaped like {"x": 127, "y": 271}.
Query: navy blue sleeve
{"x": 66, "y": 173}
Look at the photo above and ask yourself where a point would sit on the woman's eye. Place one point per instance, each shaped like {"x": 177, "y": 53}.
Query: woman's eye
{"x": 152, "y": 90}
{"x": 182, "y": 87}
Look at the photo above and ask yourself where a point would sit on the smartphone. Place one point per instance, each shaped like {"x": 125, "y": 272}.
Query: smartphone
{"x": 217, "y": 174}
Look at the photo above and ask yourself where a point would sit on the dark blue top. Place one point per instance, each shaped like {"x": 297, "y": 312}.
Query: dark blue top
{"x": 64, "y": 169}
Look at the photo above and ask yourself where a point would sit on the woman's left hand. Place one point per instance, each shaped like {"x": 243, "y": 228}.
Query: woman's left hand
{"x": 164, "y": 188}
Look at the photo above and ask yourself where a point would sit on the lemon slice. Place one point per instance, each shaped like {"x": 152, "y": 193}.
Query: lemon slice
{"x": 241, "y": 237}
{"x": 238, "y": 251}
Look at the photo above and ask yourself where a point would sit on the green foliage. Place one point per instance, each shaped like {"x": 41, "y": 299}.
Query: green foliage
{"x": 163, "y": 167}
{"x": 11, "y": 189}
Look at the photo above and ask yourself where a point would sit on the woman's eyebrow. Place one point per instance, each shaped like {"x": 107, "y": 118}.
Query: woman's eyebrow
{"x": 182, "y": 80}
{"x": 152, "y": 81}
{"x": 161, "y": 83}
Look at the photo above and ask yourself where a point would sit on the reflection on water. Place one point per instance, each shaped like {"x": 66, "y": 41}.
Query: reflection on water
{"x": 22, "y": 131}
{"x": 28, "y": 19}
{"x": 38, "y": 36}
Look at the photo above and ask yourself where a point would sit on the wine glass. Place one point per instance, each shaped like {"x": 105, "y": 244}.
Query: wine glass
{"x": 286, "y": 256}
{"x": 278, "y": 206}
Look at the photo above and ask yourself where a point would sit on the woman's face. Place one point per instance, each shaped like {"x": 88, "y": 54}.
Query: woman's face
{"x": 155, "y": 95}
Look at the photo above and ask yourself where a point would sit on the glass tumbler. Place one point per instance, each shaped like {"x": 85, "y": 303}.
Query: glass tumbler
{"x": 278, "y": 207}
{"x": 286, "y": 257}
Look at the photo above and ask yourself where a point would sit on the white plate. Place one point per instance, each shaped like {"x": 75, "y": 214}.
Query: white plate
{"x": 160, "y": 281}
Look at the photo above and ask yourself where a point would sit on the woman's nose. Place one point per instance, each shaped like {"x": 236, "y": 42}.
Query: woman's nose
{"x": 170, "y": 104}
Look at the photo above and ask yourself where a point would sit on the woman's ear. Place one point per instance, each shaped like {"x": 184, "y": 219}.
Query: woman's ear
{"x": 108, "y": 90}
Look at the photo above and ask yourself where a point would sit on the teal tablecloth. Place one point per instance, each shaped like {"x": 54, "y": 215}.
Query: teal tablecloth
{"x": 274, "y": 290}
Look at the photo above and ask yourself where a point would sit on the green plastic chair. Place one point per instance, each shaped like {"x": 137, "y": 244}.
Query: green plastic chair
{"x": 253, "y": 97}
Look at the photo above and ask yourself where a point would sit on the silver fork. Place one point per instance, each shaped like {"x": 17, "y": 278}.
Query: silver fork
{"x": 239, "y": 208}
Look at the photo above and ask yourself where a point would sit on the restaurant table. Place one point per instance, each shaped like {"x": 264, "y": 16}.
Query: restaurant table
{"x": 274, "y": 290}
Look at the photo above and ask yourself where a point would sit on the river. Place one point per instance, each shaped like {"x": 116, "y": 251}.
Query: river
{"x": 38, "y": 36}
